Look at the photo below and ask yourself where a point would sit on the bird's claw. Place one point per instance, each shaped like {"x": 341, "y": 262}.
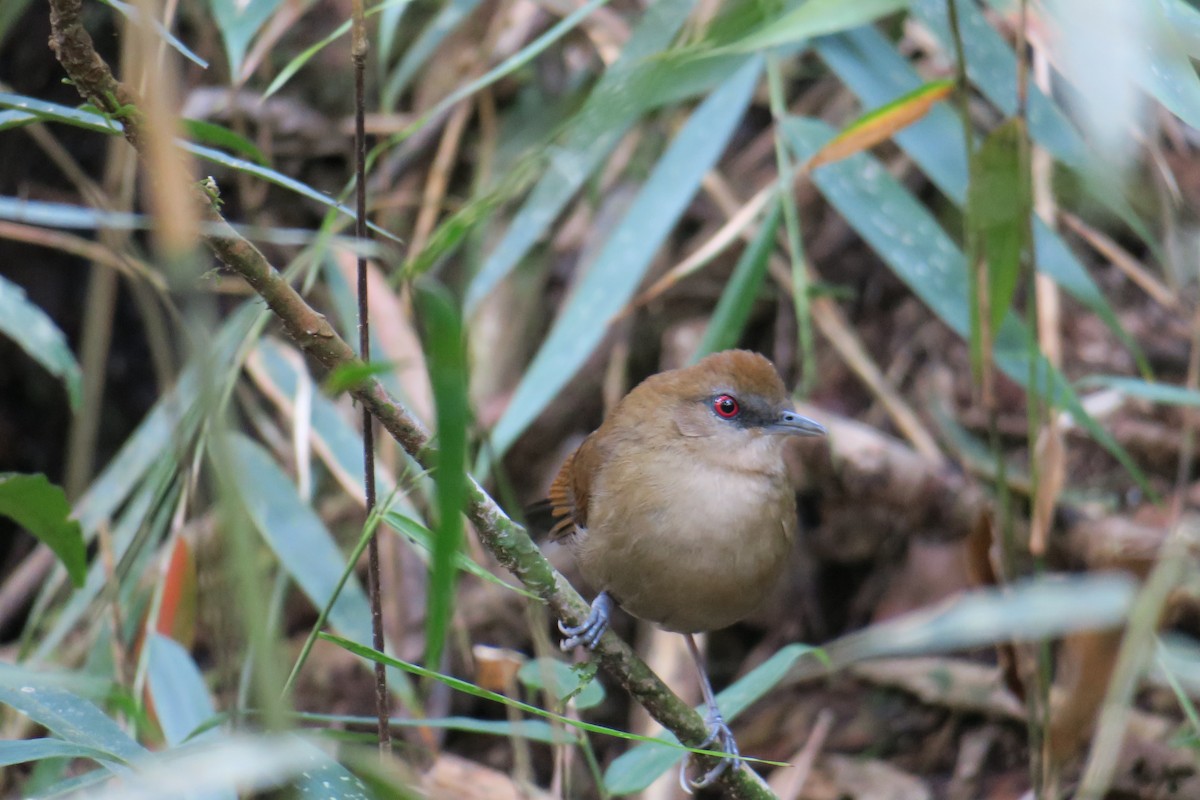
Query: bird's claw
{"x": 721, "y": 736}
{"x": 589, "y": 632}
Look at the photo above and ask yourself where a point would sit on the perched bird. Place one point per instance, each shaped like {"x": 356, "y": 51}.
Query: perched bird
{"x": 679, "y": 508}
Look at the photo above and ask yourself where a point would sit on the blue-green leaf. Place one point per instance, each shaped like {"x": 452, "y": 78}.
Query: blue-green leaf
{"x": 905, "y": 235}
{"x": 300, "y": 540}
{"x": 32, "y": 329}
{"x": 68, "y": 717}
{"x": 181, "y": 700}
{"x": 592, "y": 134}
{"x": 608, "y": 283}
{"x": 238, "y": 22}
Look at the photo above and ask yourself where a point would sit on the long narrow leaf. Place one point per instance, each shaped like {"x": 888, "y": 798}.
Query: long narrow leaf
{"x": 445, "y": 350}
{"x": 904, "y": 234}
{"x": 32, "y": 329}
{"x": 619, "y": 268}
{"x": 592, "y": 135}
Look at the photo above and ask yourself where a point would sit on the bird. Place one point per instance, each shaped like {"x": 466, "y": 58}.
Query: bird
{"x": 680, "y": 510}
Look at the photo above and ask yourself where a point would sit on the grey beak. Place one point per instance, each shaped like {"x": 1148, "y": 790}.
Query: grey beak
{"x": 792, "y": 423}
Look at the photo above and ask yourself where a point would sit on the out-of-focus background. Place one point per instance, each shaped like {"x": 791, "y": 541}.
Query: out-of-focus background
{"x": 965, "y": 232}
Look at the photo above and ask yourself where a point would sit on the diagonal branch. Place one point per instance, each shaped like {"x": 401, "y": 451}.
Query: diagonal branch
{"x": 508, "y": 542}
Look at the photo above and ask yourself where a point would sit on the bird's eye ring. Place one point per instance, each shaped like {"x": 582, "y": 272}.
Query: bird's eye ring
{"x": 726, "y": 406}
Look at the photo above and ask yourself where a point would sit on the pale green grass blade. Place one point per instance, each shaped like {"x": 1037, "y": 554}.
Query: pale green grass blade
{"x": 469, "y": 688}
{"x": 131, "y": 12}
{"x": 608, "y": 283}
{"x": 590, "y": 138}
{"x": 1032, "y": 610}
{"x": 1164, "y": 393}
{"x": 32, "y": 329}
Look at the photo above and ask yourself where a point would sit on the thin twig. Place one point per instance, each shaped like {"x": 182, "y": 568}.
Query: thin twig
{"x": 358, "y": 49}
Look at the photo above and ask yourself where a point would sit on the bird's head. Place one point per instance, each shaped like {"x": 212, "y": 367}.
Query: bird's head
{"x": 735, "y": 395}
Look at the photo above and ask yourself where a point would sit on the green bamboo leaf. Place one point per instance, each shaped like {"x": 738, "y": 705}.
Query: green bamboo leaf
{"x": 446, "y": 356}
{"x": 41, "y": 508}
{"x": 212, "y": 134}
{"x": 423, "y": 538}
{"x": 611, "y": 280}
{"x": 36, "y": 334}
{"x": 69, "y": 717}
{"x": 999, "y": 203}
{"x": 442, "y": 25}
{"x": 27, "y": 750}
{"x": 131, "y": 12}
{"x": 591, "y": 136}
{"x": 870, "y": 67}
{"x": 181, "y": 699}
{"x": 1026, "y": 611}
{"x": 238, "y": 23}
{"x": 814, "y": 18}
{"x": 728, "y": 320}
{"x": 912, "y": 243}
{"x": 100, "y": 124}
{"x": 46, "y": 111}
{"x": 304, "y": 546}
{"x": 561, "y": 681}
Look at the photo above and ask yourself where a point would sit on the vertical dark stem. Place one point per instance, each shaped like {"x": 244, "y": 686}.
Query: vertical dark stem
{"x": 359, "y": 50}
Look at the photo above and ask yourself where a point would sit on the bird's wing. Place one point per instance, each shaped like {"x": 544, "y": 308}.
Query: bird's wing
{"x": 571, "y": 490}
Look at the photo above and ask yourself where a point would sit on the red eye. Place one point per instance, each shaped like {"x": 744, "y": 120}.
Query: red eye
{"x": 726, "y": 406}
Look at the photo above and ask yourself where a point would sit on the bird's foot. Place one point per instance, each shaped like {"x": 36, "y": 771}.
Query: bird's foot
{"x": 589, "y": 633}
{"x": 720, "y": 737}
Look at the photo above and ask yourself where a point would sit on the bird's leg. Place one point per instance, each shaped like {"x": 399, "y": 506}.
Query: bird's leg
{"x": 719, "y": 733}
{"x": 589, "y": 633}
